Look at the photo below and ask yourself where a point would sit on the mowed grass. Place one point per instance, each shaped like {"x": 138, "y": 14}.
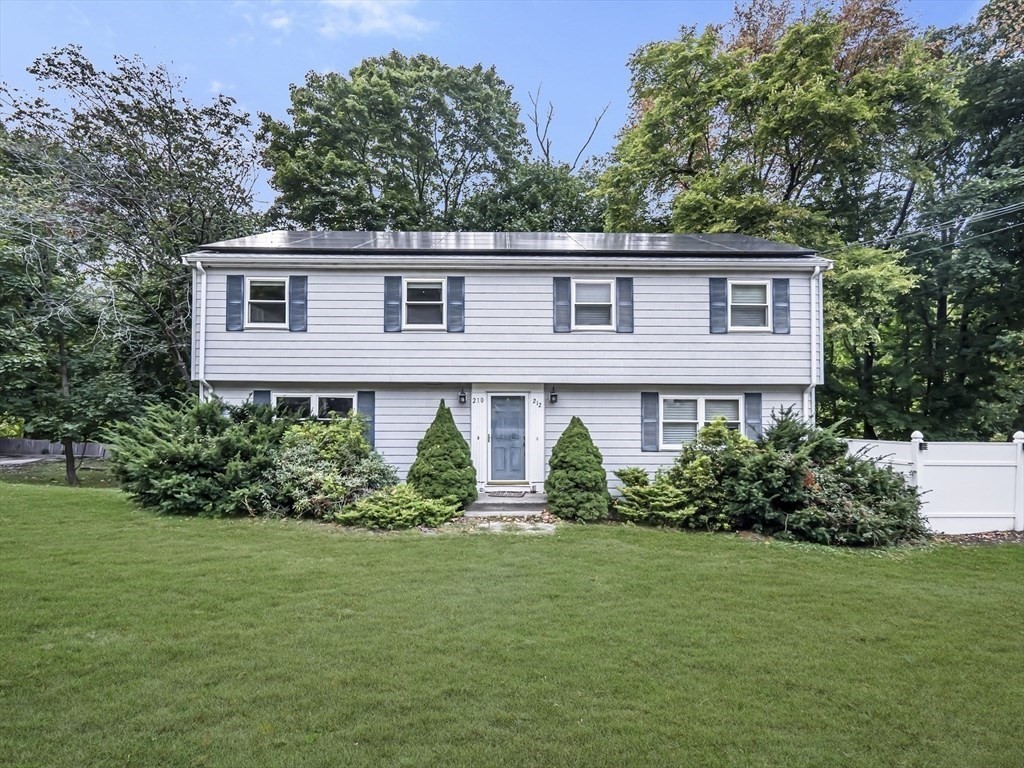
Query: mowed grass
{"x": 132, "y": 639}
{"x": 92, "y": 473}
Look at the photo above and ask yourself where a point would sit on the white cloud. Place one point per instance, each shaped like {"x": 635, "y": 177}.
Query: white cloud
{"x": 279, "y": 21}
{"x": 371, "y": 17}
{"x": 335, "y": 18}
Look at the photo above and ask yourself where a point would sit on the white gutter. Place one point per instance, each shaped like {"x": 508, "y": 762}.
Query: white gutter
{"x": 809, "y": 392}
{"x": 205, "y": 390}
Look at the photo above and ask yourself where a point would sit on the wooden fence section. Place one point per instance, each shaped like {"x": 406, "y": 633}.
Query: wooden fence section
{"x": 965, "y": 487}
{"x": 20, "y": 446}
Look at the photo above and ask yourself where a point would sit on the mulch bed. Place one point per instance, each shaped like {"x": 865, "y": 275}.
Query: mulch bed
{"x": 989, "y": 537}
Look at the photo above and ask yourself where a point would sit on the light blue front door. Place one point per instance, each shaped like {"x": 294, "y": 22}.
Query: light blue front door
{"x": 508, "y": 437}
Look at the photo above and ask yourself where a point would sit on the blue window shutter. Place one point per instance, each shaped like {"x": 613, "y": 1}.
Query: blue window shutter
{"x": 392, "y": 304}
{"x": 236, "y": 303}
{"x": 650, "y": 428}
{"x": 624, "y": 302}
{"x": 456, "y": 304}
{"x": 752, "y": 414}
{"x": 297, "y": 303}
{"x": 261, "y": 397}
{"x": 719, "y": 289}
{"x": 563, "y": 305}
{"x": 780, "y": 305}
{"x": 366, "y": 405}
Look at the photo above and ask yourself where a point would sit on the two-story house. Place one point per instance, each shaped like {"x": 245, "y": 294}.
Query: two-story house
{"x": 646, "y": 337}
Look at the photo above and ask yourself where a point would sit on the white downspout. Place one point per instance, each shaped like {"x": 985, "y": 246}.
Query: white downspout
{"x": 205, "y": 390}
{"x": 809, "y": 392}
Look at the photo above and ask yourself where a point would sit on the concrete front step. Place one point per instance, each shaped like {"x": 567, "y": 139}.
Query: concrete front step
{"x": 497, "y": 505}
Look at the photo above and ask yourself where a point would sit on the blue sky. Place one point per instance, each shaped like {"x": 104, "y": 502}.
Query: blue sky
{"x": 254, "y": 49}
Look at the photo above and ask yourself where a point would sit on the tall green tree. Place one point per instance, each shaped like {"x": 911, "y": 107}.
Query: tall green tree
{"x": 822, "y": 127}
{"x": 58, "y": 364}
{"x": 536, "y": 196}
{"x": 962, "y": 326}
{"x": 400, "y": 143}
{"x": 150, "y": 174}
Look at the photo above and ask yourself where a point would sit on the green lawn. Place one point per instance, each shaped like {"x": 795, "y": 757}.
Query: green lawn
{"x": 93, "y": 473}
{"x": 132, "y": 639}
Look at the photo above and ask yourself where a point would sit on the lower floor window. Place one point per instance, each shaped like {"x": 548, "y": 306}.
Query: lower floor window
{"x": 323, "y": 406}
{"x": 683, "y": 417}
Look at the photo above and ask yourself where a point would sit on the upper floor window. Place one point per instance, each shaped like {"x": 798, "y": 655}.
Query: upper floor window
{"x": 424, "y": 304}
{"x": 683, "y": 417}
{"x": 593, "y": 304}
{"x": 749, "y": 306}
{"x": 266, "y": 302}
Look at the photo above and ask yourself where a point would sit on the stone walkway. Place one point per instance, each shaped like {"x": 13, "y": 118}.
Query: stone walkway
{"x": 499, "y": 526}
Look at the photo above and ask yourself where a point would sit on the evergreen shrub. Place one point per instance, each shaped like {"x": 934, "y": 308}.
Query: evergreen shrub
{"x": 398, "y": 506}
{"x": 443, "y": 468}
{"x": 577, "y": 487}
{"x": 323, "y": 466}
{"x": 196, "y": 458}
{"x": 796, "y": 483}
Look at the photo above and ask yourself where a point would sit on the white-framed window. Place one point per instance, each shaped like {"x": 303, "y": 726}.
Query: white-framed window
{"x": 593, "y": 305}
{"x": 320, "y": 406}
{"x": 750, "y": 305}
{"x": 684, "y": 416}
{"x": 423, "y": 304}
{"x": 266, "y": 302}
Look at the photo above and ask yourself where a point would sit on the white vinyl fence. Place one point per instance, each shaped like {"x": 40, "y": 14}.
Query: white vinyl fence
{"x": 21, "y": 446}
{"x": 965, "y": 487}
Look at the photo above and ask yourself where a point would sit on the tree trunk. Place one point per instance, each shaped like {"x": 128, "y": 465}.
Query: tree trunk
{"x": 869, "y": 391}
{"x": 65, "y": 389}
{"x": 69, "y": 460}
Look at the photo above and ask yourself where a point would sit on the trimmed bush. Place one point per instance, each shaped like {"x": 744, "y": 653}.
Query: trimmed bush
{"x": 197, "y": 458}
{"x": 796, "y": 483}
{"x": 400, "y": 506}
{"x": 657, "y": 503}
{"x": 577, "y": 487}
{"x": 323, "y": 466}
{"x": 443, "y": 467}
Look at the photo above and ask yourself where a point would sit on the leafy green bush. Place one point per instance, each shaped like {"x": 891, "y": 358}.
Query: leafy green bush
{"x": 11, "y": 426}
{"x": 443, "y": 467}
{"x": 399, "y": 506}
{"x": 323, "y": 466}
{"x": 196, "y": 459}
{"x": 657, "y": 503}
{"x": 577, "y": 487}
{"x": 797, "y": 482}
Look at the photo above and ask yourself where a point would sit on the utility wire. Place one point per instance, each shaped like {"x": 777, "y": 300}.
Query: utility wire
{"x": 970, "y": 219}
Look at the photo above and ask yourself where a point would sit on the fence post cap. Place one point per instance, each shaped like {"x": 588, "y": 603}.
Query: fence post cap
{"x": 1018, "y": 436}
{"x": 917, "y": 436}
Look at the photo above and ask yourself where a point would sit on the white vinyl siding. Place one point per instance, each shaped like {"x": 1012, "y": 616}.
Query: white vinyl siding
{"x": 266, "y": 303}
{"x": 508, "y": 337}
{"x": 593, "y": 305}
{"x": 683, "y": 417}
{"x": 749, "y": 306}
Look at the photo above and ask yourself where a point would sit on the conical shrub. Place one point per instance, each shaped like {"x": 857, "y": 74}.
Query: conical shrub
{"x": 443, "y": 466}
{"x": 576, "y": 486}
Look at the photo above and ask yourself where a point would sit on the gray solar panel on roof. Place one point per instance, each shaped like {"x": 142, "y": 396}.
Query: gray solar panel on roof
{"x": 511, "y": 242}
